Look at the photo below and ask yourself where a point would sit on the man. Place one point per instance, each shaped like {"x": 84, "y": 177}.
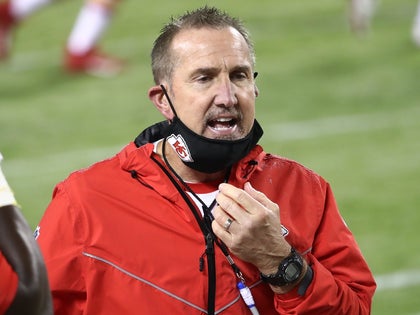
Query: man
{"x": 81, "y": 52}
{"x": 194, "y": 217}
{"x": 23, "y": 279}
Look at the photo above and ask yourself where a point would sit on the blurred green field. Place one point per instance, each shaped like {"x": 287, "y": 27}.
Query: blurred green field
{"x": 347, "y": 107}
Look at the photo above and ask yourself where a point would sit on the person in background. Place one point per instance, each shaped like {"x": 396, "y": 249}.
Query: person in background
{"x": 193, "y": 216}
{"x": 24, "y": 285}
{"x": 415, "y": 30}
{"x": 81, "y": 54}
{"x": 361, "y": 13}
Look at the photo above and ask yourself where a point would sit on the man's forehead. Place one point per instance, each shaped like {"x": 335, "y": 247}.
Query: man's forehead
{"x": 208, "y": 44}
{"x": 206, "y": 37}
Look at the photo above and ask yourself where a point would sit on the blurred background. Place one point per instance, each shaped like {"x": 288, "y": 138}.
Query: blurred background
{"x": 346, "y": 105}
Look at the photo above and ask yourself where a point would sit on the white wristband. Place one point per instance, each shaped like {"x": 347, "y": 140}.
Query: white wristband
{"x": 6, "y": 194}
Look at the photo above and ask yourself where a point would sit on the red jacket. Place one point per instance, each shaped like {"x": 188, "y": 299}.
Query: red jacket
{"x": 114, "y": 244}
{"x": 8, "y": 284}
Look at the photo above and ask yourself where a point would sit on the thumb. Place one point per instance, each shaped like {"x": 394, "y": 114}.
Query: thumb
{"x": 257, "y": 195}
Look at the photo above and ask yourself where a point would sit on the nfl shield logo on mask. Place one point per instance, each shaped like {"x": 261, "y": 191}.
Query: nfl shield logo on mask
{"x": 180, "y": 147}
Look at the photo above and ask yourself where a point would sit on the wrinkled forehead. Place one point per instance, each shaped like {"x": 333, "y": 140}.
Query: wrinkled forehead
{"x": 209, "y": 47}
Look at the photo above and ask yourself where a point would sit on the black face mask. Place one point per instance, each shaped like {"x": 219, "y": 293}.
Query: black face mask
{"x": 204, "y": 154}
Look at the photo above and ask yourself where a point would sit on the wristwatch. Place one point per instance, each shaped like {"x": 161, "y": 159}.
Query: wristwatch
{"x": 290, "y": 269}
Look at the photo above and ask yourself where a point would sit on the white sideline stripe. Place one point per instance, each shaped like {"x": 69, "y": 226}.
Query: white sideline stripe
{"x": 398, "y": 280}
{"x": 60, "y": 164}
{"x": 342, "y": 124}
{"x": 53, "y": 163}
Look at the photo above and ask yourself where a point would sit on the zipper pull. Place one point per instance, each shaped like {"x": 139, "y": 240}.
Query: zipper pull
{"x": 209, "y": 251}
{"x": 209, "y": 244}
{"x": 201, "y": 262}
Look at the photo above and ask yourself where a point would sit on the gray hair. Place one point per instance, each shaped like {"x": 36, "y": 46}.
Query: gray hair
{"x": 163, "y": 61}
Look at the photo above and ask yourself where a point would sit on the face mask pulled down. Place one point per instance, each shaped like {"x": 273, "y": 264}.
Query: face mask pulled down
{"x": 205, "y": 154}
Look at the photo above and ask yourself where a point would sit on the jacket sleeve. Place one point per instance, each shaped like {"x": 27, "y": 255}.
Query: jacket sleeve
{"x": 342, "y": 282}
{"x": 59, "y": 237}
{"x": 8, "y": 284}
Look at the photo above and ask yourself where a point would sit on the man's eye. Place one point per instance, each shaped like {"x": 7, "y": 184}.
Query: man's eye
{"x": 203, "y": 78}
{"x": 239, "y": 76}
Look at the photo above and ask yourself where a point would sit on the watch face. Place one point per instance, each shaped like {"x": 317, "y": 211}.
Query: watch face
{"x": 288, "y": 272}
{"x": 292, "y": 272}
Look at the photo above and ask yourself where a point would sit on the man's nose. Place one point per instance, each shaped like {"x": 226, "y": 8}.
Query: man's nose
{"x": 225, "y": 93}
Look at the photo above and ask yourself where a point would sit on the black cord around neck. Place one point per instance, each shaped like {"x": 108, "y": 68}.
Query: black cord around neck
{"x": 207, "y": 215}
{"x": 206, "y": 209}
{"x": 205, "y": 226}
{"x": 205, "y": 223}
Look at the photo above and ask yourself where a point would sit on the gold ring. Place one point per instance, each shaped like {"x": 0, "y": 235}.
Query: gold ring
{"x": 228, "y": 223}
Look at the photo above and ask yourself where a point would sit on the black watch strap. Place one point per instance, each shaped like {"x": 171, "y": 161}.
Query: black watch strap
{"x": 306, "y": 281}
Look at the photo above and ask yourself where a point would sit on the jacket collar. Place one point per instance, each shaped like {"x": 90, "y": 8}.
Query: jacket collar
{"x": 139, "y": 160}
{"x": 137, "y": 157}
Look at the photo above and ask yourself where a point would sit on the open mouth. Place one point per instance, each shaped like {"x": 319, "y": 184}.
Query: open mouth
{"x": 222, "y": 124}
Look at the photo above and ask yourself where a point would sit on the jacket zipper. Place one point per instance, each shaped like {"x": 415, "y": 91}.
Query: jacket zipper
{"x": 209, "y": 240}
{"x": 211, "y": 265}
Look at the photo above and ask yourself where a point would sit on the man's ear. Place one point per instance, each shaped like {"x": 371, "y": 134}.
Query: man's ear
{"x": 256, "y": 91}
{"x": 157, "y": 96}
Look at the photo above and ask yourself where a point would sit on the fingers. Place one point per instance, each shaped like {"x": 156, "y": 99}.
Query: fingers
{"x": 257, "y": 195}
{"x": 234, "y": 200}
{"x": 248, "y": 223}
{"x": 225, "y": 224}
{"x": 240, "y": 209}
{"x": 221, "y": 233}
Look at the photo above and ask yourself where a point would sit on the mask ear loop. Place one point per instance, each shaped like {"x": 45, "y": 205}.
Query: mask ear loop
{"x": 169, "y": 100}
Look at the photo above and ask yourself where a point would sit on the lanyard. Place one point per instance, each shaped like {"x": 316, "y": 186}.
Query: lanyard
{"x": 211, "y": 238}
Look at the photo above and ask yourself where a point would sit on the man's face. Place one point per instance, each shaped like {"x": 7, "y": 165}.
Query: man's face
{"x": 213, "y": 89}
